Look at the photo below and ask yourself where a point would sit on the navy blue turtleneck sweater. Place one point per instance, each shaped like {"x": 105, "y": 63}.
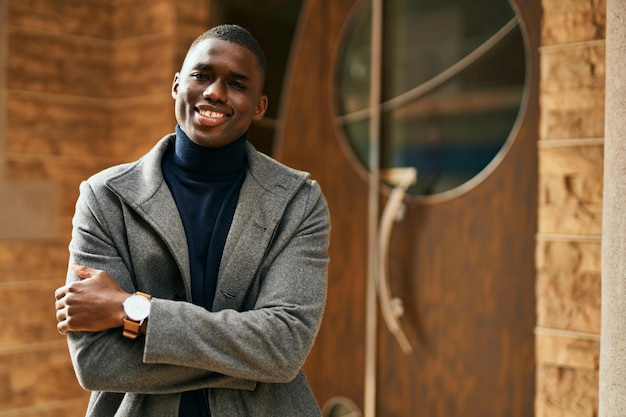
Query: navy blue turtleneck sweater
{"x": 205, "y": 183}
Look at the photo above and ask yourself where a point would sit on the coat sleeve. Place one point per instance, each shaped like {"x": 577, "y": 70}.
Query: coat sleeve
{"x": 106, "y": 361}
{"x": 269, "y": 340}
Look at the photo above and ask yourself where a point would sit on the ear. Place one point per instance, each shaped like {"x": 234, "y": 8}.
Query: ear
{"x": 175, "y": 84}
{"x": 261, "y": 107}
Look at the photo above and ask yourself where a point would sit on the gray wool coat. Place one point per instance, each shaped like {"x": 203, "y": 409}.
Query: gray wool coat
{"x": 270, "y": 297}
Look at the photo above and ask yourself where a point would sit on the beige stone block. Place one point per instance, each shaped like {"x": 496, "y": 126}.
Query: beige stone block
{"x": 567, "y": 351}
{"x": 69, "y": 408}
{"x": 69, "y": 194}
{"x": 49, "y": 125}
{"x": 193, "y": 15}
{"x": 572, "y": 92}
{"x": 568, "y": 112}
{"x": 57, "y": 169}
{"x": 566, "y": 124}
{"x": 565, "y": 392}
{"x": 32, "y": 261}
{"x": 65, "y": 225}
{"x": 569, "y": 95}
{"x": 67, "y": 172}
{"x": 35, "y": 375}
{"x": 585, "y": 160}
{"x": 144, "y": 17}
{"x": 36, "y": 298}
{"x": 28, "y": 210}
{"x": 58, "y": 64}
{"x": 85, "y": 18}
{"x": 141, "y": 123}
{"x": 569, "y": 192}
{"x": 570, "y": 21}
{"x": 569, "y": 301}
{"x": 144, "y": 66}
{"x": 582, "y": 66}
{"x": 571, "y": 219}
{"x": 568, "y": 257}
{"x": 570, "y": 189}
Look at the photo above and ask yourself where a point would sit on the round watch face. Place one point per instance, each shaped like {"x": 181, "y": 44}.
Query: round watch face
{"x": 137, "y": 307}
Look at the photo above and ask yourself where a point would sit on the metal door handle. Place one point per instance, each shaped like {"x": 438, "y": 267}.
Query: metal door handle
{"x": 392, "y": 307}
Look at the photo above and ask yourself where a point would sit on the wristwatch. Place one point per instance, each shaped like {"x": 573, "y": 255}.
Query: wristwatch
{"x": 137, "y": 310}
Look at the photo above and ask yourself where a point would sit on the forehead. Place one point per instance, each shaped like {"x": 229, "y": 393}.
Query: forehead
{"x": 226, "y": 54}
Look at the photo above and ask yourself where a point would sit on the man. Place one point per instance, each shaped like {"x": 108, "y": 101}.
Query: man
{"x": 198, "y": 274}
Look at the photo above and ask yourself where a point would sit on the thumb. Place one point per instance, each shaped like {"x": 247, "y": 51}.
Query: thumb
{"x": 82, "y": 271}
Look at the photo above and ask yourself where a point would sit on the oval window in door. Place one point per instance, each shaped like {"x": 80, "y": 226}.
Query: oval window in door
{"x": 453, "y": 88}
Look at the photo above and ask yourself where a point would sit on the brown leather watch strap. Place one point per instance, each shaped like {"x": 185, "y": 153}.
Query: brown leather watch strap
{"x": 133, "y": 328}
{"x": 148, "y": 296}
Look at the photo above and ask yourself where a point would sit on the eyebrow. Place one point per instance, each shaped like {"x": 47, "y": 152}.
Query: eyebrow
{"x": 233, "y": 74}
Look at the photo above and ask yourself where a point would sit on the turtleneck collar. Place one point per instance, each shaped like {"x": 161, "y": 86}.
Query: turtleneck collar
{"x": 204, "y": 160}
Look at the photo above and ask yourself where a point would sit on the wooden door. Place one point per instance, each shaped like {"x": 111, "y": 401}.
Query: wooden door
{"x": 464, "y": 266}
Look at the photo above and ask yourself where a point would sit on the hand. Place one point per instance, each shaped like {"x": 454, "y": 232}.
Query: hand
{"x": 92, "y": 304}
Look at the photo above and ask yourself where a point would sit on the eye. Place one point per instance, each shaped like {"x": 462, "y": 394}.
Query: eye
{"x": 238, "y": 85}
{"x": 199, "y": 76}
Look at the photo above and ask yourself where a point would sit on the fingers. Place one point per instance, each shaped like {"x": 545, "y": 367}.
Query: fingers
{"x": 61, "y": 309}
{"x": 59, "y": 293}
{"x": 62, "y": 327}
{"x": 59, "y": 304}
{"x": 61, "y": 316}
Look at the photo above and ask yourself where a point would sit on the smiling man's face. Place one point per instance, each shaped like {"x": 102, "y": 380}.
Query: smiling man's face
{"x": 218, "y": 92}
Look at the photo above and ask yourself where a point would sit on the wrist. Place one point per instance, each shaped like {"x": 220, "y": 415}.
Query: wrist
{"x": 121, "y": 314}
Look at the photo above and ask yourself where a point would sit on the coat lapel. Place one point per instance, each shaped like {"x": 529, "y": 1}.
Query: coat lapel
{"x": 250, "y": 234}
{"x": 263, "y": 199}
{"x": 143, "y": 188}
{"x": 161, "y": 213}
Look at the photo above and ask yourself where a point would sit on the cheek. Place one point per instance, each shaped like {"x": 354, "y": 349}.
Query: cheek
{"x": 183, "y": 98}
{"x": 180, "y": 109}
{"x": 183, "y": 93}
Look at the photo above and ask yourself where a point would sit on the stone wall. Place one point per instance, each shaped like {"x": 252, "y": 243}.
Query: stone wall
{"x": 85, "y": 84}
{"x": 570, "y": 202}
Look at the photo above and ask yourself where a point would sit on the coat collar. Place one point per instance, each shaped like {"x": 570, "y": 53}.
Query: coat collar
{"x": 265, "y": 194}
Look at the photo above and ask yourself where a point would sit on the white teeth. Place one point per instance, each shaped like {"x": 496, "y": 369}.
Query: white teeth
{"x": 211, "y": 114}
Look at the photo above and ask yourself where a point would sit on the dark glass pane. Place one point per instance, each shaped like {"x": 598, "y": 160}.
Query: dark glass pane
{"x": 453, "y": 81}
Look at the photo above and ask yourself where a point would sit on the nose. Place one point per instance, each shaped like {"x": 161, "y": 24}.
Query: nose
{"x": 215, "y": 91}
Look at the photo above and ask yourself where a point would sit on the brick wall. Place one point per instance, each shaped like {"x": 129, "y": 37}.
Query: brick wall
{"x": 570, "y": 201}
{"x": 86, "y": 84}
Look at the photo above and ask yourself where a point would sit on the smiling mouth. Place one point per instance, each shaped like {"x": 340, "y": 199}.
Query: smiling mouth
{"x": 211, "y": 114}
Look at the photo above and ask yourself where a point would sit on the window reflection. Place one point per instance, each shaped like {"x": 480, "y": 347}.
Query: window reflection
{"x": 453, "y": 81}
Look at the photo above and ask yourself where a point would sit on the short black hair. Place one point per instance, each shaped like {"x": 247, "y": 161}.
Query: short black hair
{"x": 239, "y": 35}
